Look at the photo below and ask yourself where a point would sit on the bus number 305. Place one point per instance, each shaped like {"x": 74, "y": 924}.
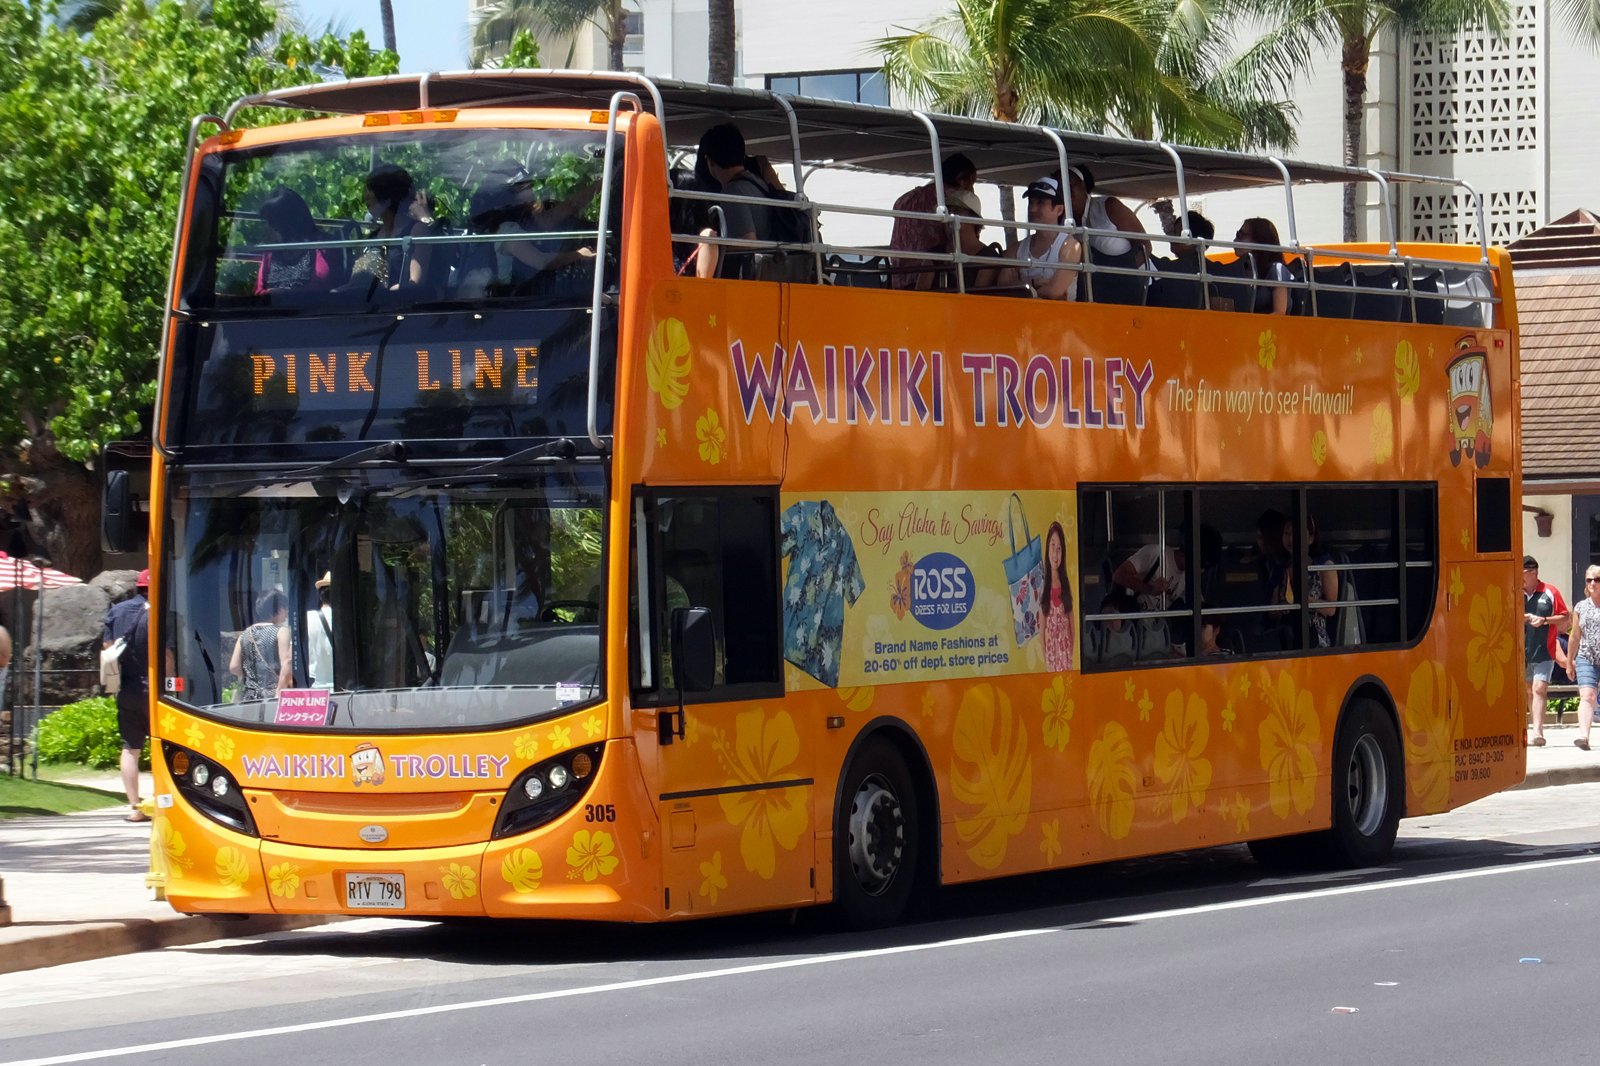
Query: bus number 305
{"x": 600, "y": 812}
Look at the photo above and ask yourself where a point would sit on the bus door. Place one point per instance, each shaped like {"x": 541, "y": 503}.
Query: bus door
{"x": 733, "y": 783}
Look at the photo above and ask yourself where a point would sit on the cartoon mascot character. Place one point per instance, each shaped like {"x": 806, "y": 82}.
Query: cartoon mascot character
{"x": 366, "y": 765}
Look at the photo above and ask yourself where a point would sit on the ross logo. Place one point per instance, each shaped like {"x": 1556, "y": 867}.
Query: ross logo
{"x": 941, "y": 590}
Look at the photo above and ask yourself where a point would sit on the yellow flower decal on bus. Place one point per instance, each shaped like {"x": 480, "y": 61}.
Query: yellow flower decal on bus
{"x": 1319, "y": 447}
{"x": 1458, "y": 588}
{"x": 1267, "y": 349}
{"x": 763, "y": 751}
{"x": 1051, "y": 844}
{"x": 1180, "y": 753}
{"x": 713, "y": 438}
{"x": 929, "y": 705}
{"x": 522, "y": 870}
{"x": 1228, "y": 716}
{"x": 194, "y": 735}
{"x": 991, "y": 772}
{"x": 284, "y": 880}
{"x": 560, "y": 737}
{"x": 526, "y": 745}
{"x": 460, "y": 881}
{"x": 1146, "y": 704}
{"x": 1112, "y": 778}
{"x": 1058, "y": 708}
{"x": 1290, "y": 739}
{"x": 714, "y": 879}
{"x": 169, "y": 843}
{"x": 233, "y": 870}
{"x": 666, "y": 362}
{"x": 592, "y": 726}
{"x": 857, "y": 699}
{"x": 590, "y": 855}
{"x": 1489, "y": 650}
{"x": 1237, "y": 811}
{"x": 1431, "y": 733}
{"x": 223, "y": 746}
{"x": 168, "y": 720}
{"x": 1407, "y": 373}
{"x": 1382, "y": 435}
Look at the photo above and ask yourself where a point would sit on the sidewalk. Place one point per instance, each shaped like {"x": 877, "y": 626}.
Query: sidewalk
{"x": 76, "y": 886}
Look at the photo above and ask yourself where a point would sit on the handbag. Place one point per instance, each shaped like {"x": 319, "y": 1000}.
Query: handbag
{"x": 111, "y": 666}
{"x": 1024, "y": 574}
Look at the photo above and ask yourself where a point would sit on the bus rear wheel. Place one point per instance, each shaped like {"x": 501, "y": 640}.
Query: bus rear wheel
{"x": 876, "y": 838}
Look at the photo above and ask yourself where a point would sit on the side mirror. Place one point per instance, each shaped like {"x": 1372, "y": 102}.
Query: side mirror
{"x": 116, "y": 512}
{"x": 123, "y": 523}
{"x": 694, "y": 649}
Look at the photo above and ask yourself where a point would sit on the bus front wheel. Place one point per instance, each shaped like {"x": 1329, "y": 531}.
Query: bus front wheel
{"x": 875, "y": 838}
{"x": 1368, "y": 786}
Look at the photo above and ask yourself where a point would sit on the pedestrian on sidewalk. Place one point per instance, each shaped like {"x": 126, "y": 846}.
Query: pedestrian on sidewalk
{"x": 1543, "y": 614}
{"x": 1582, "y": 659}
{"x": 5, "y": 662}
{"x": 129, "y": 621}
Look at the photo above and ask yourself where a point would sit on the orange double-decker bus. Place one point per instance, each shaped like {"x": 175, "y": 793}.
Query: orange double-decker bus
{"x": 503, "y": 567}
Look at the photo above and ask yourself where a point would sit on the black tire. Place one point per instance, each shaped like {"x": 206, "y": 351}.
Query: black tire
{"x": 1285, "y": 853}
{"x": 1368, "y": 788}
{"x": 876, "y": 838}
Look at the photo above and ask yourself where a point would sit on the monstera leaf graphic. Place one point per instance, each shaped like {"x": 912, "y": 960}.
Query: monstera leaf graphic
{"x": 666, "y": 362}
{"x": 991, "y": 772}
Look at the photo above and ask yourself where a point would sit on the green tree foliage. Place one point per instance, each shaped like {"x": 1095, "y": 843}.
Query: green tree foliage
{"x": 85, "y": 732}
{"x": 94, "y": 125}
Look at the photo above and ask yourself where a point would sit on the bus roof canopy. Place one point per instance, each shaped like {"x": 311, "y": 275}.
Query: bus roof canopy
{"x": 830, "y": 131}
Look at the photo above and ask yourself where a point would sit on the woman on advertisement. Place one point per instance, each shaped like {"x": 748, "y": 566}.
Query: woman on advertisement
{"x": 1057, "y": 601}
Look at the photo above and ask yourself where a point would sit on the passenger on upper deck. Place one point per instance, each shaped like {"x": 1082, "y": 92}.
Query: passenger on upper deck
{"x": 393, "y": 199}
{"x": 722, "y": 157}
{"x": 922, "y": 234}
{"x": 1185, "y": 256}
{"x": 504, "y": 205}
{"x": 1105, "y": 212}
{"x": 1270, "y": 299}
{"x": 288, "y": 221}
{"x": 1050, "y": 251}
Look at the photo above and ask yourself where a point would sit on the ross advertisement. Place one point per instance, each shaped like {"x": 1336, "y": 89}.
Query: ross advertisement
{"x": 887, "y": 587}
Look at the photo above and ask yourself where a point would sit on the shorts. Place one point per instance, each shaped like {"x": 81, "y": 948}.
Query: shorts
{"x": 133, "y": 719}
{"x": 1541, "y": 671}
{"x": 1588, "y": 673}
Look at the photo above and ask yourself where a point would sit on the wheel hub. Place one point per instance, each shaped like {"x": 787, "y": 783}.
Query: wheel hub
{"x": 877, "y": 834}
{"x": 1367, "y": 785}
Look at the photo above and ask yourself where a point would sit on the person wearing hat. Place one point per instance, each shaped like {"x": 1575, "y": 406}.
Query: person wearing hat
{"x": 319, "y": 636}
{"x": 1105, "y": 213}
{"x": 1048, "y": 252}
{"x": 925, "y": 234}
{"x": 129, "y": 622}
{"x": 1543, "y": 612}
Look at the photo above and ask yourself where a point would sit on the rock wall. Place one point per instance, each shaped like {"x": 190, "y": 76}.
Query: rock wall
{"x": 69, "y": 648}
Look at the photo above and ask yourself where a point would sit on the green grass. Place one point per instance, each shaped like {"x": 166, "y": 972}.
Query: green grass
{"x": 21, "y": 798}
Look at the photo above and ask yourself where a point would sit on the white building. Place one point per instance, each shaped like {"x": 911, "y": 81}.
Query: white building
{"x": 1506, "y": 114}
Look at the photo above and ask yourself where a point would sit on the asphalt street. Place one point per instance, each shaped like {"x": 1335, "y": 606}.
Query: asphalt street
{"x": 1471, "y": 946}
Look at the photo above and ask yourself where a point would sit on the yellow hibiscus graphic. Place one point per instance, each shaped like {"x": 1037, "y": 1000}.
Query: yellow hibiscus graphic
{"x": 991, "y": 772}
{"x": 522, "y": 870}
{"x": 590, "y": 855}
{"x": 1489, "y": 650}
{"x": 764, "y": 750}
{"x": 666, "y": 362}
{"x": 857, "y": 699}
{"x": 1058, "y": 708}
{"x": 1290, "y": 739}
{"x": 168, "y": 720}
{"x": 223, "y": 746}
{"x": 1237, "y": 811}
{"x": 1180, "y": 753}
{"x": 170, "y": 843}
{"x": 712, "y": 436}
{"x": 460, "y": 881}
{"x": 1112, "y": 778}
{"x": 526, "y": 745}
{"x": 1319, "y": 447}
{"x": 194, "y": 735}
{"x": 1407, "y": 375}
{"x": 714, "y": 879}
{"x": 592, "y": 726}
{"x": 233, "y": 870}
{"x": 1382, "y": 435}
{"x": 1267, "y": 349}
{"x": 284, "y": 880}
{"x": 560, "y": 737}
{"x": 1431, "y": 733}
{"x": 1051, "y": 844}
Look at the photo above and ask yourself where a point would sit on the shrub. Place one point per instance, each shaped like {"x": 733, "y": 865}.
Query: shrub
{"x": 85, "y": 732}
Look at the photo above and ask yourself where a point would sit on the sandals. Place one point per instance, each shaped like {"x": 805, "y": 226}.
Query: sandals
{"x": 136, "y": 816}
{"x": 1581, "y": 744}
{"x": 1536, "y": 742}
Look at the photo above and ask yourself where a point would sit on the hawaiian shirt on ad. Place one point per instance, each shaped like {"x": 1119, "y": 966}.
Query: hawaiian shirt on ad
{"x": 823, "y": 574}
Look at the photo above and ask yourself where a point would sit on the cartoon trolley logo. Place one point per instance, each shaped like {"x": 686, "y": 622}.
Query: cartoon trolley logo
{"x": 366, "y": 765}
{"x": 1471, "y": 410}
{"x": 941, "y": 590}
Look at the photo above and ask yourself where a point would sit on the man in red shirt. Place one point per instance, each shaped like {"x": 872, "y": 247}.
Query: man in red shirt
{"x": 925, "y": 235}
{"x": 1544, "y": 612}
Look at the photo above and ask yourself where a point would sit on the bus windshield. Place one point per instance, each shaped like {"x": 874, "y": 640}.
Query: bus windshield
{"x": 418, "y": 603}
{"x": 413, "y": 216}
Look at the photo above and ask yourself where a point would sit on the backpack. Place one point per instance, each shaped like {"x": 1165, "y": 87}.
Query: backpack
{"x": 786, "y": 225}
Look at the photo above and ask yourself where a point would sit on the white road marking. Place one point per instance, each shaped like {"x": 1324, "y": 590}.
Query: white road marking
{"x": 789, "y": 964}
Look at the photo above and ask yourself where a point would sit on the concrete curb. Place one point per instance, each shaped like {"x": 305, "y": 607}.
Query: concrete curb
{"x": 1560, "y": 775}
{"x": 98, "y": 940}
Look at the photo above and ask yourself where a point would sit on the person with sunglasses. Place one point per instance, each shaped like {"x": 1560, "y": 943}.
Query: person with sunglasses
{"x": 1582, "y": 658}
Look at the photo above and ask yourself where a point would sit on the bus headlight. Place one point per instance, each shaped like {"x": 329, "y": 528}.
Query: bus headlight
{"x": 546, "y": 790}
{"x": 209, "y": 789}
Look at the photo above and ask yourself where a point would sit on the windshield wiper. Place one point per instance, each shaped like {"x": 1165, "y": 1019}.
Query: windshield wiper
{"x": 389, "y": 451}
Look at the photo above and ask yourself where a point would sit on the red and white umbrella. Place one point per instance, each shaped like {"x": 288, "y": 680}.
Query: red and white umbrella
{"x": 18, "y": 573}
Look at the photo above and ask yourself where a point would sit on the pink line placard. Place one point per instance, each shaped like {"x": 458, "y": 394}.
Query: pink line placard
{"x": 302, "y": 706}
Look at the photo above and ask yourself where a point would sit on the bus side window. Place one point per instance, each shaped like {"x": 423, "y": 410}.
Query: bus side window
{"x": 715, "y": 549}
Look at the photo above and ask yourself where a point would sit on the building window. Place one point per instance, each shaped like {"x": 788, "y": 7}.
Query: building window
{"x": 633, "y": 26}
{"x": 854, "y": 86}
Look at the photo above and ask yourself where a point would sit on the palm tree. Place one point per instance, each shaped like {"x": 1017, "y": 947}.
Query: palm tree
{"x": 1133, "y": 65}
{"x": 1352, "y": 26}
{"x": 721, "y": 43}
{"x": 495, "y": 28}
{"x": 386, "y": 13}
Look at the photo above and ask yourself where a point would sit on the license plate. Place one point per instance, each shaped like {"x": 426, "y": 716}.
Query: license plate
{"x": 375, "y": 891}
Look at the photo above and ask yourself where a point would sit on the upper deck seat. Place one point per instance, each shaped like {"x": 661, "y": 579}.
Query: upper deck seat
{"x": 1114, "y": 288}
{"x": 1176, "y": 284}
{"x": 1233, "y": 285}
{"x": 1335, "y": 295}
{"x": 1425, "y": 284}
{"x": 1378, "y": 293}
